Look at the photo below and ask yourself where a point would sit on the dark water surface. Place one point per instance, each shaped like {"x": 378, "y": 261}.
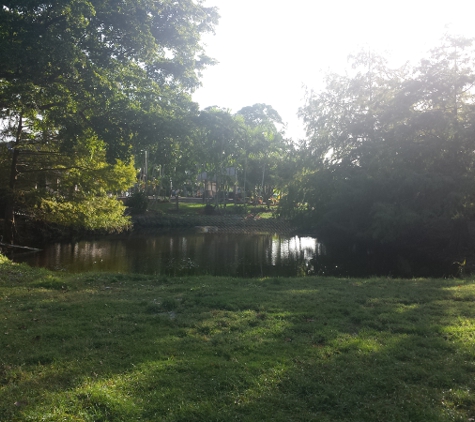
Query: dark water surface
{"x": 183, "y": 253}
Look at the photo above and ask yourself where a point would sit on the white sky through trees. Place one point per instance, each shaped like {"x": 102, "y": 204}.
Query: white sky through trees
{"x": 269, "y": 49}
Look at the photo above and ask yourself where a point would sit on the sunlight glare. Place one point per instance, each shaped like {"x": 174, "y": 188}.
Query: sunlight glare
{"x": 267, "y": 50}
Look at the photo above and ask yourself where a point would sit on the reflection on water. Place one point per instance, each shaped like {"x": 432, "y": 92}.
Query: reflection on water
{"x": 178, "y": 253}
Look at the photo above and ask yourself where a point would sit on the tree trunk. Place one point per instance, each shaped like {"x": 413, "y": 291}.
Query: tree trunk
{"x": 216, "y": 198}
{"x": 261, "y": 193}
{"x": 245, "y": 176}
{"x": 9, "y": 224}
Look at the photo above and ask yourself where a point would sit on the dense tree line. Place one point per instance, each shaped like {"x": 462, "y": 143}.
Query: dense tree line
{"x": 246, "y": 149}
{"x": 83, "y": 86}
{"x": 88, "y": 87}
{"x": 389, "y": 158}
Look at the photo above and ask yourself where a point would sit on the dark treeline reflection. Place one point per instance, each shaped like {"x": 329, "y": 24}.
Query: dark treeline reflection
{"x": 178, "y": 253}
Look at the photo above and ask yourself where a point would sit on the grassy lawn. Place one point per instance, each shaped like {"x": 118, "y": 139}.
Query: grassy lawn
{"x": 193, "y": 208}
{"x": 111, "y": 347}
{"x": 184, "y": 207}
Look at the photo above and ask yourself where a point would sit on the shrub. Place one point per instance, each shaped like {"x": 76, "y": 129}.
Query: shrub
{"x": 209, "y": 209}
{"x": 137, "y": 203}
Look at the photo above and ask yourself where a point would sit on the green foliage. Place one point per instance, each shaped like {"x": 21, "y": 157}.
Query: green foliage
{"x": 217, "y": 143}
{"x": 90, "y": 213}
{"x": 250, "y": 142}
{"x": 137, "y": 203}
{"x": 263, "y": 150}
{"x": 209, "y": 209}
{"x": 76, "y": 189}
{"x": 80, "y": 75}
{"x": 390, "y": 154}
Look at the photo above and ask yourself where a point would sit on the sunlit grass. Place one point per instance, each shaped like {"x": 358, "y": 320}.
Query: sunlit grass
{"x": 185, "y": 207}
{"x": 112, "y": 347}
{"x": 194, "y": 208}
{"x": 182, "y": 206}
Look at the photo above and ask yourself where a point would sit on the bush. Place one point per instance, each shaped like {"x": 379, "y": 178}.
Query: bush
{"x": 209, "y": 209}
{"x": 137, "y": 203}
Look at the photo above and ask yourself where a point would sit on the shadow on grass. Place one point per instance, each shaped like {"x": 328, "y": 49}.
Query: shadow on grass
{"x": 214, "y": 349}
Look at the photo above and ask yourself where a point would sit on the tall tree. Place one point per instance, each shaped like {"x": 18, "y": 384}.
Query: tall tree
{"x": 262, "y": 147}
{"x": 100, "y": 68}
{"x": 389, "y": 158}
{"x": 219, "y": 133}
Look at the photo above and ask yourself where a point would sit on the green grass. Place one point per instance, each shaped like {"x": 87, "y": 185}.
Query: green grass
{"x": 184, "y": 207}
{"x": 112, "y": 347}
{"x": 193, "y": 208}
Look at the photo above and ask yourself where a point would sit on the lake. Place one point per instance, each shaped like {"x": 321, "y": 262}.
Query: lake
{"x": 183, "y": 253}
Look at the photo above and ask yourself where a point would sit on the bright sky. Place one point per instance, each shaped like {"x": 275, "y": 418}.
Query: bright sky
{"x": 269, "y": 49}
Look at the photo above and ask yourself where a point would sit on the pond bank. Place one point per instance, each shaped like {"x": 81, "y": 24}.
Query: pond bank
{"x": 231, "y": 223}
{"x": 340, "y": 260}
